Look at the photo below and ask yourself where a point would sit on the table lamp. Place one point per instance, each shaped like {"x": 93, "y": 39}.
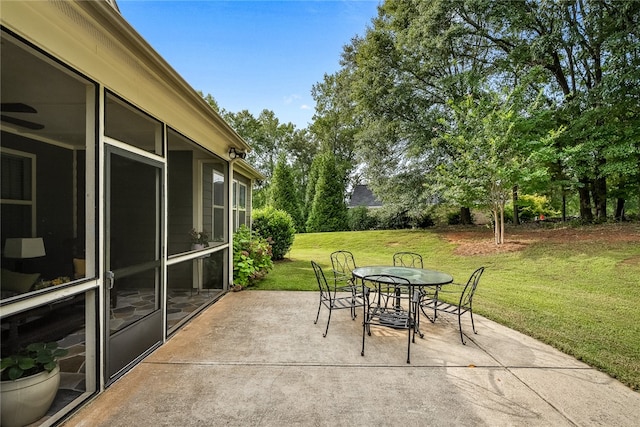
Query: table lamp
{"x": 22, "y": 248}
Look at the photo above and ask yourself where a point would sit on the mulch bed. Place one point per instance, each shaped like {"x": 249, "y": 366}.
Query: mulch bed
{"x": 479, "y": 240}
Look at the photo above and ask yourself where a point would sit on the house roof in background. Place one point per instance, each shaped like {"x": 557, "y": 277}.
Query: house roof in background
{"x": 362, "y": 196}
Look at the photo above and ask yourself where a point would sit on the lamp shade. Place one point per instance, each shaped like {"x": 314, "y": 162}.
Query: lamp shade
{"x": 24, "y": 248}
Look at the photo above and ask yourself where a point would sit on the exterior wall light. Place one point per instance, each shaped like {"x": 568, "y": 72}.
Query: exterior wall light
{"x": 235, "y": 154}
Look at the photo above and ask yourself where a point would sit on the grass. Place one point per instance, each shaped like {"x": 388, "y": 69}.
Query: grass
{"x": 580, "y": 297}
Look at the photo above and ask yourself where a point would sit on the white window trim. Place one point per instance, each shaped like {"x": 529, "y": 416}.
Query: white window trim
{"x": 32, "y": 202}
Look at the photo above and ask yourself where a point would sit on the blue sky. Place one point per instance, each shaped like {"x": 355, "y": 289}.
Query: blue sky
{"x": 252, "y": 55}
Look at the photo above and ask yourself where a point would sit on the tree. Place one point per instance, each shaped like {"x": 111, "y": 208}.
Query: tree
{"x": 494, "y": 147}
{"x": 310, "y": 189}
{"x": 589, "y": 49}
{"x": 328, "y": 209}
{"x": 407, "y": 68}
{"x": 266, "y": 135}
{"x": 301, "y": 152}
{"x": 334, "y": 125}
{"x": 283, "y": 194}
{"x": 269, "y": 139}
{"x": 418, "y": 56}
{"x": 212, "y": 102}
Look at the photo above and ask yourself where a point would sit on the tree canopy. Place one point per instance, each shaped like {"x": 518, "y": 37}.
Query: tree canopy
{"x": 468, "y": 103}
{"x": 418, "y": 66}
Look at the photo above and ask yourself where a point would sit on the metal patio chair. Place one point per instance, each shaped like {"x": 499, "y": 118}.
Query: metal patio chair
{"x": 343, "y": 263}
{"x": 408, "y": 259}
{"x": 412, "y": 259}
{"x": 463, "y": 295}
{"x": 335, "y": 297}
{"x": 391, "y": 302}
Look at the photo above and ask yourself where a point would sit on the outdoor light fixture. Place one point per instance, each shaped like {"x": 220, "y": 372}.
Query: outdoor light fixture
{"x": 235, "y": 154}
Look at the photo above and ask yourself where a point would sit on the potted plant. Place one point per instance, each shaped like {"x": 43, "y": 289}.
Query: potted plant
{"x": 30, "y": 381}
{"x": 199, "y": 239}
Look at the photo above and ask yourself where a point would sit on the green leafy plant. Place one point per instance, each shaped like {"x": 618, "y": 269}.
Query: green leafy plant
{"x": 199, "y": 237}
{"x": 277, "y": 225}
{"x": 31, "y": 360}
{"x": 251, "y": 257}
{"x": 360, "y": 219}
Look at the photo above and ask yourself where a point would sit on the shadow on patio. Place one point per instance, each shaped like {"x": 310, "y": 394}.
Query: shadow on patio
{"x": 255, "y": 358}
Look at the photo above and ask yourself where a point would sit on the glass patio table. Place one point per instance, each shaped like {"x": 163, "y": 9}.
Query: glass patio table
{"x": 415, "y": 276}
{"x": 418, "y": 278}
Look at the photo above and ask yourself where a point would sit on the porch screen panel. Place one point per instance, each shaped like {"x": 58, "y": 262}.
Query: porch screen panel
{"x": 48, "y": 188}
{"x": 195, "y": 195}
{"x": 44, "y": 173}
{"x": 128, "y": 124}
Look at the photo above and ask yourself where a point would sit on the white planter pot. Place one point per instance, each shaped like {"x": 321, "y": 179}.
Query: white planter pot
{"x": 28, "y": 399}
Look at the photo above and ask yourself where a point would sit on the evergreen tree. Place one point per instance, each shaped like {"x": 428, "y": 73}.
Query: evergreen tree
{"x": 310, "y": 192}
{"x": 328, "y": 211}
{"x": 283, "y": 194}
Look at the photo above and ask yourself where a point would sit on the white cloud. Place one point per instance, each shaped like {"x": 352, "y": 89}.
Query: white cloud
{"x": 305, "y": 107}
{"x": 289, "y": 99}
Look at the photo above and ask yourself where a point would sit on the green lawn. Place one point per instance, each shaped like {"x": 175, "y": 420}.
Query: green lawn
{"x": 578, "y": 296}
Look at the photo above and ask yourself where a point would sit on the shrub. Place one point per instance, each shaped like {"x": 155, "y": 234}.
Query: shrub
{"x": 453, "y": 218}
{"x": 530, "y": 206}
{"x": 360, "y": 219}
{"x": 276, "y": 225}
{"x": 424, "y": 220}
{"x": 394, "y": 220}
{"x": 251, "y": 257}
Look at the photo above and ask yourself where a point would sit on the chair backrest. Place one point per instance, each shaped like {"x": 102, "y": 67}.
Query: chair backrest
{"x": 391, "y": 288}
{"x": 408, "y": 259}
{"x": 466, "y": 299}
{"x": 387, "y": 279}
{"x": 343, "y": 263}
{"x": 322, "y": 281}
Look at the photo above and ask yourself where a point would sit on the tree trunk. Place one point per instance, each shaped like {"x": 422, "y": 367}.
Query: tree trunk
{"x": 465, "y": 216}
{"x": 619, "y": 215}
{"x": 585, "y": 201}
{"x": 564, "y": 207}
{"x": 516, "y": 217}
{"x": 496, "y": 226}
{"x": 502, "y": 223}
{"x": 498, "y": 222}
{"x": 599, "y": 190}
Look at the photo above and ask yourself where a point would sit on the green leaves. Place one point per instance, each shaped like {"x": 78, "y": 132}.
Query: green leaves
{"x": 277, "y": 227}
{"x": 328, "y": 209}
{"x": 536, "y": 85}
{"x": 34, "y": 358}
{"x": 283, "y": 194}
{"x": 251, "y": 256}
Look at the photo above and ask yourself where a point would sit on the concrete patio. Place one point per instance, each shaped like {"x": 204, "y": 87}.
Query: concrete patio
{"x": 255, "y": 358}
